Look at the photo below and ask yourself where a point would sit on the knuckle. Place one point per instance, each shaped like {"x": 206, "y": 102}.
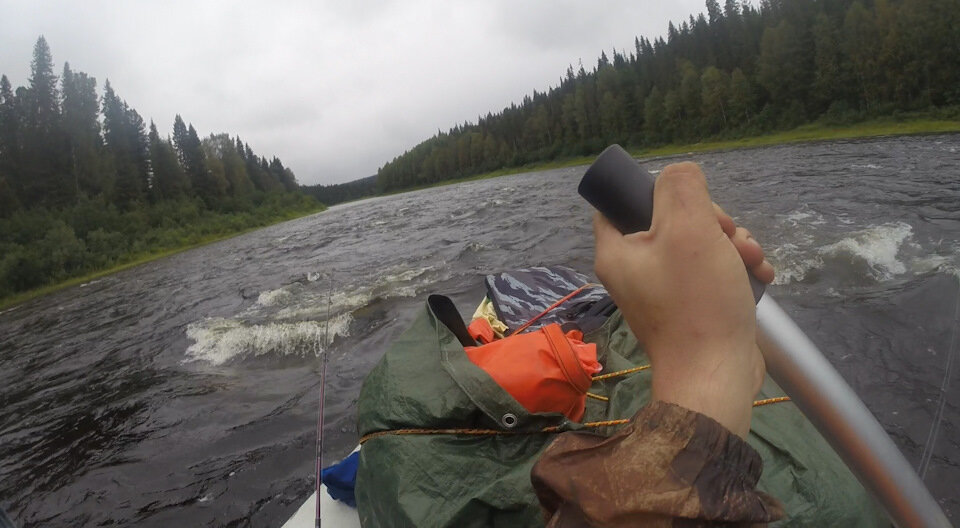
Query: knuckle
{"x": 683, "y": 174}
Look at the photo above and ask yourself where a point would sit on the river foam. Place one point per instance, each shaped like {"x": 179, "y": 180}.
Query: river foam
{"x": 877, "y": 253}
{"x": 300, "y": 319}
{"x": 218, "y": 340}
{"x": 878, "y": 247}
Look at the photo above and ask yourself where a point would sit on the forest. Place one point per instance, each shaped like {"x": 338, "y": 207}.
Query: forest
{"x": 736, "y": 71}
{"x": 86, "y": 184}
{"x": 343, "y": 192}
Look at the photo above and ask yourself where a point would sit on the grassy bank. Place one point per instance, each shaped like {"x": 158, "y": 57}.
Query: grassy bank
{"x": 200, "y": 236}
{"x": 803, "y": 134}
{"x": 814, "y": 132}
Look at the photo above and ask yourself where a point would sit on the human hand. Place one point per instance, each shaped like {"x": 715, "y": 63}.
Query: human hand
{"x": 682, "y": 289}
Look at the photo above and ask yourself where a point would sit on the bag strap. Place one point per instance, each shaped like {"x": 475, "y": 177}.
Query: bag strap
{"x": 446, "y": 312}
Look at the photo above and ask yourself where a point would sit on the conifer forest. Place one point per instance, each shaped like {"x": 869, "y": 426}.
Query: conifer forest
{"x": 739, "y": 70}
{"x": 86, "y": 184}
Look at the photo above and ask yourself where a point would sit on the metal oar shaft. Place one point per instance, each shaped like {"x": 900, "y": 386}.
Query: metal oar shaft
{"x": 795, "y": 363}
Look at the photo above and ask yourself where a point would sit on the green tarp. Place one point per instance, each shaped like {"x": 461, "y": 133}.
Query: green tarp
{"x": 426, "y": 381}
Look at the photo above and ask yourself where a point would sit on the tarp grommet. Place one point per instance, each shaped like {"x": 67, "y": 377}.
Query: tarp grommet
{"x": 509, "y": 420}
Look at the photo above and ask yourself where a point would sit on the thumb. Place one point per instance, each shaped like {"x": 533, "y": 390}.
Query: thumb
{"x": 682, "y": 202}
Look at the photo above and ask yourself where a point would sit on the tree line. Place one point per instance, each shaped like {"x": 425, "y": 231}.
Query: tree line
{"x": 86, "y": 183}
{"x": 739, "y": 70}
{"x": 54, "y": 148}
{"x": 343, "y": 192}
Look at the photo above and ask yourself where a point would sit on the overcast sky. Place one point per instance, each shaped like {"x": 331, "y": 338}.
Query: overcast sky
{"x": 335, "y": 89}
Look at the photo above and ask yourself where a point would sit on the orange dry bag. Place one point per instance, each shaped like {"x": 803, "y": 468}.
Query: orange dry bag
{"x": 544, "y": 370}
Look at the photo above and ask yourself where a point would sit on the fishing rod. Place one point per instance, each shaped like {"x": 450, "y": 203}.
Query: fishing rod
{"x": 323, "y": 383}
{"x": 620, "y": 189}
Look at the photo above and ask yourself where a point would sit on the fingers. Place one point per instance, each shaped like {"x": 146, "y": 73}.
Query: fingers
{"x": 682, "y": 200}
{"x": 752, "y": 255}
{"x": 749, "y": 249}
{"x": 726, "y": 222}
{"x": 764, "y": 272}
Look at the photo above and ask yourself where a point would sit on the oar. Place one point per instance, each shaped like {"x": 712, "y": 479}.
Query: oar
{"x": 620, "y": 189}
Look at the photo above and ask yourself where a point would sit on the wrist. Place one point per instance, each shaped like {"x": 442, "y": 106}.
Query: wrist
{"x": 723, "y": 391}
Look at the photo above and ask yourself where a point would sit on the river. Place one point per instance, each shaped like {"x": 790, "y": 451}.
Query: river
{"x": 183, "y": 392}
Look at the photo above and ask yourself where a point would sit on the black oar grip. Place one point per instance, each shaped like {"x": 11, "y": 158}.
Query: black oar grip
{"x": 620, "y": 189}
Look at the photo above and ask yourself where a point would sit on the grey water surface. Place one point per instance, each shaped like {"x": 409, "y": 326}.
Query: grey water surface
{"x": 184, "y": 392}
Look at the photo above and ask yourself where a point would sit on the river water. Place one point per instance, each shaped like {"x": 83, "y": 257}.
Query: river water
{"x": 184, "y": 392}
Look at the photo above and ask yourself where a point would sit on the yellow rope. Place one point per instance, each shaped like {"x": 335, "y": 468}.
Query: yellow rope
{"x": 620, "y": 373}
{"x": 551, "y": 429}
{"x": 768, "y": 401}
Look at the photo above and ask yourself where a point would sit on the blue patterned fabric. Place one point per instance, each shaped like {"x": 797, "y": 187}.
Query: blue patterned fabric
{"x": 520, "y": 295}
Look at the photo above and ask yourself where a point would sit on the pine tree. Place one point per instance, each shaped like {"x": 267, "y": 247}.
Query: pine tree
{"x": 9, "y": 201}
{"x": 126, "y": 143}
{"x": 82, "y": 128}
{"x": 210, "y": 186}
{"x": 9, "y": 150}
{"x": 168, "y": 181}
{"x": 43, "y": 148}
{"x": 180, "y": 141}
{"x": 45, "y": 99}
{"x": 283, "y": 175}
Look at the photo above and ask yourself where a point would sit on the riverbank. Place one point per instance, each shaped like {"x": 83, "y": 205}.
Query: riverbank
{"x": 149, "y": 256}
{"x": 803, "y": 134}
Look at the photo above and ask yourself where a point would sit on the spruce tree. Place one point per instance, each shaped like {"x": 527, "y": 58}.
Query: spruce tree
{"x": 180, "y": 141}
{"x": 43, "y": 148}
{"x": 207, "y": 182}
{"x": 126, "y": 143}
{"x": 45, "y": 99}
{"x": 9, "y": 197}
{"x": 9, "y": 150}
{"x": 169, "y": 181}
{"x": 82, "y": 129}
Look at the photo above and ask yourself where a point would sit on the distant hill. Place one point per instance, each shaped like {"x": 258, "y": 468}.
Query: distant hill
{"x": 342, "y": 192}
